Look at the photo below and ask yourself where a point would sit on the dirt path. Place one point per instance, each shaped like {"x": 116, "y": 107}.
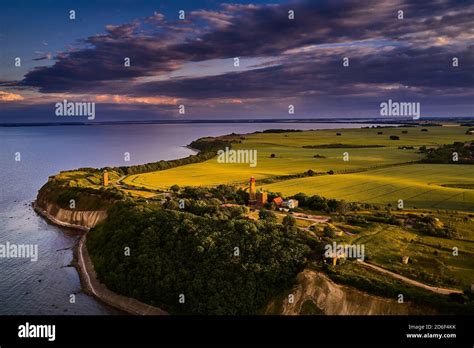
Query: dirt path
{"x": 443, "y": 291}
{"x": 310, "y": 217}
{"x": 119, "y": 180}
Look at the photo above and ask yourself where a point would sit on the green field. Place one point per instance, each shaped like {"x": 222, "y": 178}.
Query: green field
{"x": 418, "y": 185}
{"x": 289, "y": 160}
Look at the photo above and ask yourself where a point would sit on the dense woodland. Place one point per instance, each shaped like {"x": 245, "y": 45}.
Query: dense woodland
{"x": 174, "y": 252}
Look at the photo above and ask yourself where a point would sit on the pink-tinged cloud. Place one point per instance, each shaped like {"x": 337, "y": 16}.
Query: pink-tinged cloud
{"x": 10, "y": 97}
{"x": 121, "y": 99}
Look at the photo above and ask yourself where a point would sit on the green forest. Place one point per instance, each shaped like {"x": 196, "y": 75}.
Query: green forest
{"x": 175, "y": 253}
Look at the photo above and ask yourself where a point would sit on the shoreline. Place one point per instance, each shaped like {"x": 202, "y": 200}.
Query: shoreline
{"x": 88, "y": 278}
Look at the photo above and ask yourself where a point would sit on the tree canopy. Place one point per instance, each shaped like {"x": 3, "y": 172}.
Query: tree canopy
{"x": 221, "y": 264}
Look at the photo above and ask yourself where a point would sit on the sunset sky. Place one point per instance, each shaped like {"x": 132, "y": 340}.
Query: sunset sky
{"x": 191, "y": 62}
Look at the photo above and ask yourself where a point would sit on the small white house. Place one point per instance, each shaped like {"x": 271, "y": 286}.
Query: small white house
{"x": 290, "y": 203}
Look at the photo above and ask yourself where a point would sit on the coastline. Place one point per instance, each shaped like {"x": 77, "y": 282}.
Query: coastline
{"x": 89, "y": 282}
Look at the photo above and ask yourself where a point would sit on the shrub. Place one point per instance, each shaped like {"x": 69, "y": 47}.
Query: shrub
{"x": 267, "y": 215}
{"x": 328, "y": 232}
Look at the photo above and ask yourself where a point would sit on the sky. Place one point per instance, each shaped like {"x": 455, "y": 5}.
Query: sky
{"x": 396, "y": 50}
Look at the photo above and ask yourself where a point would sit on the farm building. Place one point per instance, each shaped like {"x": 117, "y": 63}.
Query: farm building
{"x": 278, "y": 201}
{"x": 285, "y": 204}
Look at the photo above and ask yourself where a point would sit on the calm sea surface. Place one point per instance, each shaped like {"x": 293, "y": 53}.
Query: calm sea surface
{"x": 45, "y": 286}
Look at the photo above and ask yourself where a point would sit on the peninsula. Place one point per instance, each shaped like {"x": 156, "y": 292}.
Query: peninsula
{"x": 201, "y": 236}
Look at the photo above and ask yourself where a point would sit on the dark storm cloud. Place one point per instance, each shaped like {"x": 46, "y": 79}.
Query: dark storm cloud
{"x": 422, "y": 71}
{"x": 415, "y": 53}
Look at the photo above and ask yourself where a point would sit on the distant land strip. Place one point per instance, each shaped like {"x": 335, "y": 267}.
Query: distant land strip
{"x": 400, "y": 120}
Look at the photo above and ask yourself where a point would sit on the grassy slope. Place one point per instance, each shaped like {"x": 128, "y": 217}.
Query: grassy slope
{"x": 80, "y": 178}
{"x": 353, "y": 274}
{"x": 431, "y": 258}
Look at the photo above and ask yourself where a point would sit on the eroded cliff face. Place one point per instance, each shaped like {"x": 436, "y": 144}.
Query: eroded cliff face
{"x": 85, "y": 219}
{"x": 47, "y": 206}
{"x": 315, "y": 290}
